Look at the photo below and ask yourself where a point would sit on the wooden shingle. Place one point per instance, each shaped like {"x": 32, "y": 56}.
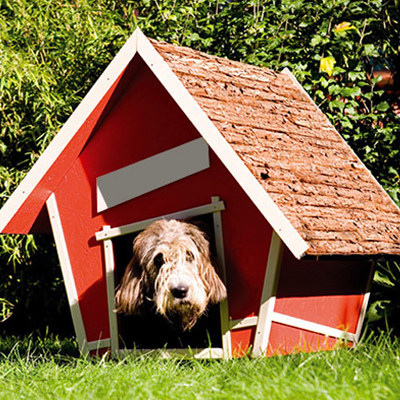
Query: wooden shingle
{"x": 294, "y": 152}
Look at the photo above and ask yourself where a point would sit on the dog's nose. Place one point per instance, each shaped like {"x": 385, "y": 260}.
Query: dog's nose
{"x": 180, "y": 292}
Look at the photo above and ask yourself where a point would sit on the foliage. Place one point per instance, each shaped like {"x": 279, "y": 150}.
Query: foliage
{"x": 384, "y": 310}
{"x": 52, "y": 51}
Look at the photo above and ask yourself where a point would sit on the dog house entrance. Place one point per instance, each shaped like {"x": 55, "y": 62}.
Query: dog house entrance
{"x": 208, "y": 338}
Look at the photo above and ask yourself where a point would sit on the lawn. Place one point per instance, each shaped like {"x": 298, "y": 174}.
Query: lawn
{"x": 52, "y": 369}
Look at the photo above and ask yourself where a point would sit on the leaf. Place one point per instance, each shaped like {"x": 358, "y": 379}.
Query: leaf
{"x": 344, "y": 26}
{"x": 337, "y": 104}
{"x": 383, "y": 106}
{"x": 326, "y": 64}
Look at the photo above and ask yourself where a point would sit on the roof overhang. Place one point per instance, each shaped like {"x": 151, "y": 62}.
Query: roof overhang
{"x": 139, "y": 44}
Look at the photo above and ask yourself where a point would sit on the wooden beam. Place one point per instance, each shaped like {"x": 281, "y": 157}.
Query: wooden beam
{"x": 66, "y": 269}
{"x": 268, "y": 296}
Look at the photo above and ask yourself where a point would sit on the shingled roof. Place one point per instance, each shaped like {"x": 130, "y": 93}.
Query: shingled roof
{"x": 294, "y": 152}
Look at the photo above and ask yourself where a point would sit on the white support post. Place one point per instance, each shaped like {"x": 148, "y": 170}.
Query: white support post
{"x": 223, "y": 308}
{"x": 364, "y": 305}
{"x": 268, "y": 296}
{"x": 112, "y": 317}
{"x": 66, "y": 268}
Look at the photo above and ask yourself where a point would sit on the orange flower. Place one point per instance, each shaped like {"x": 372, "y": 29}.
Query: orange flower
{"x": 344, "y": 26}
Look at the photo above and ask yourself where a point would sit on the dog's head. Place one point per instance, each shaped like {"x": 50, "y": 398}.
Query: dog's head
{"x": 171, "y": 266}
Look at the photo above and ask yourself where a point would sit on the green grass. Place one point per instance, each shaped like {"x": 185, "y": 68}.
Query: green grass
{"x": 51, "y": 369}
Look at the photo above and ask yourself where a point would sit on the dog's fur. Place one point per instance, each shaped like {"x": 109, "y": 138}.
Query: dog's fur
{"x": 171, "y": 267}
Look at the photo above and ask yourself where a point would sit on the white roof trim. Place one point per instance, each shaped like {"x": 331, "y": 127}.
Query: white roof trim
{"x": 67, "y": 132}
{"x": 138, "y": 43}
{"x": 221, "y": 147}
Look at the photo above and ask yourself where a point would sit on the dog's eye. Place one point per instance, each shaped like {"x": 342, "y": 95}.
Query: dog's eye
{"x": 158, "y": 260}
{"x": 189, "y": 256}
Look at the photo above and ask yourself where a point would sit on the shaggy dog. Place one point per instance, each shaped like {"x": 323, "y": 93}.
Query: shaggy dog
{"x": 171, "y": 267}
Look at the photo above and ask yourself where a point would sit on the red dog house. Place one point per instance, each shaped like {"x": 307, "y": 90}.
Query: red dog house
{"x": 170, "y": 132}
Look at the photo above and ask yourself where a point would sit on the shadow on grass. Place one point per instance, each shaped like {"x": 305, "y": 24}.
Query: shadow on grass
{"x": 61, "y": 350}
{"x": 14, "y": 347}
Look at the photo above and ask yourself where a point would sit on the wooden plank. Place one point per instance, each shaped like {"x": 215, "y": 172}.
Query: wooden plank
{"x": 99, "y": 344}
{"x": 212, "y": 352}
{"x": 66, "y": 269}
{"x": 312, "y": 327}
{"x": 138, "y": 226}
{"x": 151, "y": 173}
{"x": 110, "y": 282}
{"x": 268, "y": 296}
{"x": 243, "y": 323}
{"x": 223, "y": 307}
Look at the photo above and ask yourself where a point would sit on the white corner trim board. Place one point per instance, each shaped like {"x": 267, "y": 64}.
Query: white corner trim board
{"x": 268, "y": 296}
{"x": 110, "y": 283}
{"x": 151, "y": 173}
{"x": 66, "y": 268}
{"x": 224, "y": 306}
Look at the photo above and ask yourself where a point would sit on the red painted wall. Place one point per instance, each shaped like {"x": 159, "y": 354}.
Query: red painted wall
{"x": 145, "y": 121}
{"x": 327, "y": 292}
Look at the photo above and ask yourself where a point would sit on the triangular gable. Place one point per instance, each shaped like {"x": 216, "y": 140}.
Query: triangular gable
{"x": 20, "y": 212}
{"x": 22, "y": 209}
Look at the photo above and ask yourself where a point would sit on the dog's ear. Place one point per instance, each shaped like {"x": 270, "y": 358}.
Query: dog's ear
{"x": 216, "y": 288}
{"x": 130, "y": 294}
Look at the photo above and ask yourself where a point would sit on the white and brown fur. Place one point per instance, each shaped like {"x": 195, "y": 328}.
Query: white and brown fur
{"x": 171, "y": 267}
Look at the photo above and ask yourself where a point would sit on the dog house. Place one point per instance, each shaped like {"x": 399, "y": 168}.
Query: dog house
{"x": 168, "y": 132}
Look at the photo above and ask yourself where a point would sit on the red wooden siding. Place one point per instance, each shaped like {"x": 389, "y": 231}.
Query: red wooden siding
{"x": 144, "y": 122}
{"x": 326, "y": 292}
{"x": 286, "y": 340}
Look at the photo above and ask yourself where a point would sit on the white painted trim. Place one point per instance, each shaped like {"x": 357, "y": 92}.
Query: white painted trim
{"x": 224, "y": 306}
{"x": 152, "y": 173}
{"x": 107, "y": 234}
{"x": 243, "y": 323}
{"x": 98, "y": 344}
{"x": 365, "y": 302}
{"x": 68, "y": 131}
{"x": 212, "y": 352}
{"x": 66, "y": 268}
{"x": 139, "y": 43}
{"x": 268, "y": 296}
{"x": 138, "y": 226}
{"x": 312, "y": 327}
{"x": 110, "y": 282}
{"x": 221, "y": 147}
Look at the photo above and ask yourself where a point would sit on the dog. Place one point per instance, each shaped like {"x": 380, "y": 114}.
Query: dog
{"x": 171, "y": 268}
